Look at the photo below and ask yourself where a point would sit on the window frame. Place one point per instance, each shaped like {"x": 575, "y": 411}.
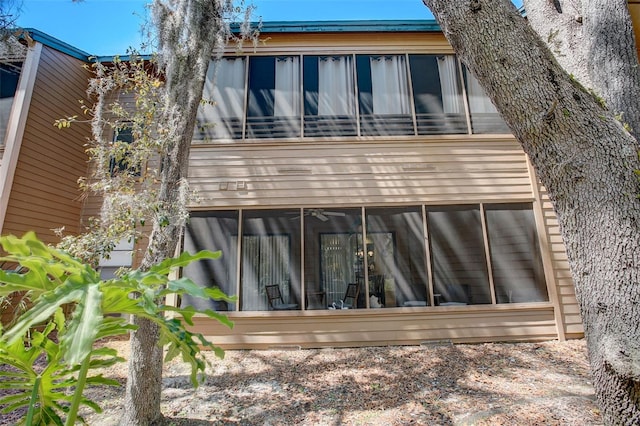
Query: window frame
{"x": 303, "y": 129}
{"x": 362, "y": 234}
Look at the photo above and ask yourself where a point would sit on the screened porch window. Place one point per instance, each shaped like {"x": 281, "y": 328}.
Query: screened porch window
{"x": 437, "y": 94}
{"x": 518, "y": 273}
{"x": 387, "y": 265}
{"x": 329, "y": 96}
{"x": 333, "y": 242}
{"x": 397, "y": 267}
{"x": 212, "y": 231}
{"x": 459, "y": 264}
{"x": 270, "y": 256}
{"x": 273, "y": 109}
{"x": 383, "y": 95}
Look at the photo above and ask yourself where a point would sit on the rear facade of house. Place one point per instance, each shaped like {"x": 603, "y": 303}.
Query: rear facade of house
{"x": 360, "y": 185}
{"x": 364, "y": 191}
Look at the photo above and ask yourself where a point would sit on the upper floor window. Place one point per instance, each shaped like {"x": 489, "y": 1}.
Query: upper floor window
{"x": 9, "y": 77}
{"x": 383, "y": 94}
{"x": 329, "y": 96}
{"x": 273, "y": 109}
{"x": 437, "y": 94}
{"x": 484, "y": 116}
{"x": 260, "y": 97}
{"x": 221, "y": 114}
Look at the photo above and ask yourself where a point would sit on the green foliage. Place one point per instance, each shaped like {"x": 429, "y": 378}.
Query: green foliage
{"x": 46, "y": 388}
{"x": 56, "y": 280}
{"x": 124, "y": 150}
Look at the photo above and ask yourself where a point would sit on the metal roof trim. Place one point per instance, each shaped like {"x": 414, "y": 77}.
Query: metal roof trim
{"x": 58, "y": 45}
{"x": 345, "y": 26}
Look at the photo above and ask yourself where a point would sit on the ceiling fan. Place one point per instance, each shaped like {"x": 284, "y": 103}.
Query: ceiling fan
{"x": 321, "y": 214}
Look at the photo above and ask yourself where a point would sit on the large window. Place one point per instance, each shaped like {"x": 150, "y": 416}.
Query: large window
{"x": 221, "y": 114}
{"x": 329, "y": 96}
{"x": 333, "y": 257}
{"x": 437, "y": 94}
{"x": 259, "y": 97}
{"x": 213, "y": 231}
{"x": 458, "y": 257}
{"x": 518, "y": 273}
{"x": 397, "y": 268}
{"x": 273, "y": 110}
{"x": 383, "y": 94}
{"x": 484, "y": 116}
{"x": 270, "y": 256}
{"x": 370, "y": 258}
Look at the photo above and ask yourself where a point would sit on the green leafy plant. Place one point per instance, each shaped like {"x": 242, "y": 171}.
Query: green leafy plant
{"x": 54, "y": 280}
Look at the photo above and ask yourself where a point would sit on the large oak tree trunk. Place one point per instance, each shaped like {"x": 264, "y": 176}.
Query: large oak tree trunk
{"x": 189, "y": 32}
{"x": 594, "y": 41}
{"x": 586, "y": 160}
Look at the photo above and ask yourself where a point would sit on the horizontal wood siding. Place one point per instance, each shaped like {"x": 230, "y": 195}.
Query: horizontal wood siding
{"x": 407, "y": 326}
{"x": 45, "y": 192}
{"x": 373, "y": 173}
{"x": 335, "y": 43}
{"x": 562, "y": 274}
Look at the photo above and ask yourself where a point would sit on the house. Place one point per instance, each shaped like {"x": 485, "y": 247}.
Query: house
{"x": 364, "y": 191}
{"x": 361, "y": 186}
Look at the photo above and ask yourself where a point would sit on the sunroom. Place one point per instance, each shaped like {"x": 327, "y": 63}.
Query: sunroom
{"x": 397, "y": 257}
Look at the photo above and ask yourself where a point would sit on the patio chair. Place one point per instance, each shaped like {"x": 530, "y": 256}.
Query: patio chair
{"x": 276, "y": 302}
{"x": 350, "y": 299}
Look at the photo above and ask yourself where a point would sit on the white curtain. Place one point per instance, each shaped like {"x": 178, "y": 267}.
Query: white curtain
{"x": 335, "y": 86}
{"x": 265, "y": 261}
{"x": 287, "y": 90}
{"x": 389, "y": 85}
{"x": 478, "y": 101}
{"x": 224, "y": 85}
{"x": 451, "y": 99}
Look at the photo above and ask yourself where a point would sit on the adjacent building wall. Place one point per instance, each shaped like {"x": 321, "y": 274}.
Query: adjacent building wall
{"x": 44, "y": 194}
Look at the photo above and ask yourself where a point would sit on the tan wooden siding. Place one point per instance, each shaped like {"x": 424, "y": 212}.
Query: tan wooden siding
{"x": 45, "y": 192}
{"x": 335, "y": 43}
{"x": 562, "y": 274}
{"x": 634, "y": 11}
{"x": 407, "y": 326}
{"x": 373, "y": 173}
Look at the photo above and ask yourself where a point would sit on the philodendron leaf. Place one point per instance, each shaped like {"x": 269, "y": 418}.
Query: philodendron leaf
{"x": 183, "y": 260}
{"x": 44, "y": 307}
{"x": 84, "y": 325}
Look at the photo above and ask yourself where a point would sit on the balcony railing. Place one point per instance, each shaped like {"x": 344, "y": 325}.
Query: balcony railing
{"x": 314, "y": 126}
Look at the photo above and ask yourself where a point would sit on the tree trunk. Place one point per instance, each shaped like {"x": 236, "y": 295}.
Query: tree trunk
{"x": 586, "y": 160}
{"x": 189, "y": 33}
{"x": 594, "y": 41}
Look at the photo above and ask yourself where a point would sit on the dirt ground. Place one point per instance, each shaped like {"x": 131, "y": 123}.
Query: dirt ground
{"x": 545, "y": 383}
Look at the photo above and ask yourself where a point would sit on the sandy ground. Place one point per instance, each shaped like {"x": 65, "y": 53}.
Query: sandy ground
{"x": 545, "y": 383}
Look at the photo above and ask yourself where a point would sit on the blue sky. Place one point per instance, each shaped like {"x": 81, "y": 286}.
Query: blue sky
{"x": 107, "y": 27}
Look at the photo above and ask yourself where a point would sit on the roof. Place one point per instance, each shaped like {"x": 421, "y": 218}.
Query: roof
{"x": 58, "y": 45}
{"x": 378, "y": 26}
{"x": 346, "y": 26}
